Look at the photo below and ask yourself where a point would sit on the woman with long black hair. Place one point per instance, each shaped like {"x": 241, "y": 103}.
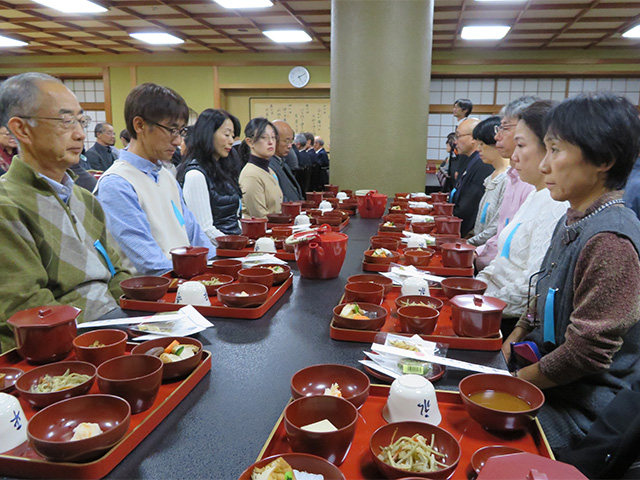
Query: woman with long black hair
{"x": 208, "y": 175}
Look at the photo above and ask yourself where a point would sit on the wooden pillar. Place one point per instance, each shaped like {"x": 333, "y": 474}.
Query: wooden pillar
{"x": 380, "y": 75}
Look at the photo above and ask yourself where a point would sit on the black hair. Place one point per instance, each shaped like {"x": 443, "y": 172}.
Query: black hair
{"x": 451, "y": 140}
{"x": 253, "y": 130}
{"x": 99, "y": 128}
{"x": 485, "y": 130}
{"x": 465, "y": 105}
{"x": 200, "y": 146}
{"x": 606, "y": 129}
{"x": 154, "y": 103}
{"x": 309, "y": 136}
{"x": 237, "y": 126}
{"x": 125, "y": 134}
{"x": 533, "y": 117}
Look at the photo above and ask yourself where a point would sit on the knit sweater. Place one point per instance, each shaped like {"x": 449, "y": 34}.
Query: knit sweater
{"x": 47, "y": 254}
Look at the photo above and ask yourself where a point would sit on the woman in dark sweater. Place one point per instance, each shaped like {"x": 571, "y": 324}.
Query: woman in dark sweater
{"x": 584, "y": 311}
{"x": 208, "y": 175}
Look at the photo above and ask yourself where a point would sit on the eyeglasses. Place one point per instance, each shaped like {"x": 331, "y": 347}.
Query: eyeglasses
{"x": 67, "y": 120}
{"x": 499, "y": 128}
{"x": 174, "y": 132}
{"x": 266, "y": 138}
{"x": 458, "y": 135}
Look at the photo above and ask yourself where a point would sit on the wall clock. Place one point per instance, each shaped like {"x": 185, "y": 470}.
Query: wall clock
{"x": 299, "y": 77}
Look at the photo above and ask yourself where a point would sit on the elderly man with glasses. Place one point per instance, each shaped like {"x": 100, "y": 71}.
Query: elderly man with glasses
{"x": 143, "y": 201}
{"x": 55, "y": 248}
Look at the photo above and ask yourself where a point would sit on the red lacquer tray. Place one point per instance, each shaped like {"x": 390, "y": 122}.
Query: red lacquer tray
{"x": 23, "y": 462}
{"x": 442, "y": 334}
{"x": 359, "y": 465}
{"x": 435, "y": 267}
{"x": 217, "y": 309}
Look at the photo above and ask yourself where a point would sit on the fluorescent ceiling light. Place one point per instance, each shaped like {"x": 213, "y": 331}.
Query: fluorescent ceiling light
{"x": 244, "y": 3}
{"x": 72, "y": 6}
{"x": 10, "y": 42}
{"x": 632, "y": 33}
{"x": 288, "y": 36}
{"x": 489, "y": 32}
{"x": 156, "y": 38}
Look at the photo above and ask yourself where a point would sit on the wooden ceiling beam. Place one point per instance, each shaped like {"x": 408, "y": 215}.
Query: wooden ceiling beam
{"x": 621, "y": 29}
{"x": 577, "y": 18}
{"x": 515, "y": 22}
{"x": 167, "y": 29}
{"x": 304, "y": 24}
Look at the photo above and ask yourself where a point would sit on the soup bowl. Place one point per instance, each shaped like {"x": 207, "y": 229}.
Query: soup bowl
{"x": 263, "y": 276}
{"x": 226, "y": 267}
{"x": 418, "y": 319}
{"x": 390, "y": 243}
{"x": 305, "y": 411}
{"x": 189, "y": 261}
{"x": 313, "y": 380}
{"x": 50, "y": 436}
{"x": 422, "y": 227}
{"x": 457, "y": 255}
{"x": 110, "y": 343}
{"x": 387, "y": 283}
{"x": 148, "y": 288}
{"x": 136, "y": 378}
{"x": 280, "y": 217}
{"x": 419, "y": 258}
{"x": 444, "y": 443}
{"x": 453, "y": 286}
{"x": 374, "y": 323}
{"x": 232, "y": 242}
{"x": 500, "y": 402}
{"x": 363, "y": 292}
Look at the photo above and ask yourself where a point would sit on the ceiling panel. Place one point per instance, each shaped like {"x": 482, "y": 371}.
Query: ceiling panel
{"x": 206, "y": 26}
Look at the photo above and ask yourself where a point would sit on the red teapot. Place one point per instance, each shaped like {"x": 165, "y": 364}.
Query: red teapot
{"x": 319, "y": 253}
{"x": 371, "y": 205}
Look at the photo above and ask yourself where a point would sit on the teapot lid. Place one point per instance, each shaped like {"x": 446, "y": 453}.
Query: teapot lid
{"x": 323, "y": 233}
{"x": 457, "y": 247}
{"x": 478, "y": 303}
{"x": 46, "y": 316}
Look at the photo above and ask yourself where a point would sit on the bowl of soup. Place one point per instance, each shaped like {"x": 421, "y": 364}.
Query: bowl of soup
{"x": 500, "y": 402}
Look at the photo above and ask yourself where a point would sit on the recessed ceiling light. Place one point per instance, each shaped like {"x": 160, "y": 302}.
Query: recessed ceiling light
{"x": 156, "y": 38}
{"x": 72, "y": 6}
{"x": 489, "y": 32}
{"x": 288, "y": 36}
{"x": 244, "y": 3}
{"x": 10, "y": 42}
{"x": 632, "y": 33}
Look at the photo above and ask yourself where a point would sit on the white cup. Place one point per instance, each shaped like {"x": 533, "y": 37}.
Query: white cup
{"x": 417, "y": 242}
{"x": 324, "y": 205}
{"x": 415, "y": 286}
{"x": 192, "y": 293}
{"x": 412, "y": 398}
{"x": 302, "y": 219}
{"x": 265, "y": 245}
{"x": 13, "y": 423}
{"x": 341, "y": 196}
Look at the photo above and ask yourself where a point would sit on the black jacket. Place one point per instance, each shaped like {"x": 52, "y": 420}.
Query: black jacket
{"x": 469, "y": 191}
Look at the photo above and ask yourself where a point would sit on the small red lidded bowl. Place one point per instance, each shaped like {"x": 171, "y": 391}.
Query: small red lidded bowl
{"x": 457, "y": 255}
{"x": 476, "y": 315}
{"x": 189, "y": 261}
{"x": 45, "y": 334}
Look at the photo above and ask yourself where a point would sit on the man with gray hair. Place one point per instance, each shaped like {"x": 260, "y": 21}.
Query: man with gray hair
{"x": 55, "y": 247}
{"x": 516, "y": 191}
{"x": 103, "y": 153}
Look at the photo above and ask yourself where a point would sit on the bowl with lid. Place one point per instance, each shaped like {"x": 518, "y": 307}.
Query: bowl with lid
{"x": 292, "y": 208}
{"x": 254, "y": 227}
{"x": 45, "y": 334}
{"x": 448, "y": 225}
{"x": 189, "y": 261}
{"x": 476, "y": 315}
{"x": 457, "y": 255}
{"x": 439, "y": 197}
{"x": 443, "y": 208}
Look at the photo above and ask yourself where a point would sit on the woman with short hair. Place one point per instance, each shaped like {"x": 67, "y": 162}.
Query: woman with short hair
{"x": 584, "y": 313}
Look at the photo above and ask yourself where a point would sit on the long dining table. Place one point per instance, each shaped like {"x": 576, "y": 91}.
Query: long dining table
{"x": 220, "y": 427}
